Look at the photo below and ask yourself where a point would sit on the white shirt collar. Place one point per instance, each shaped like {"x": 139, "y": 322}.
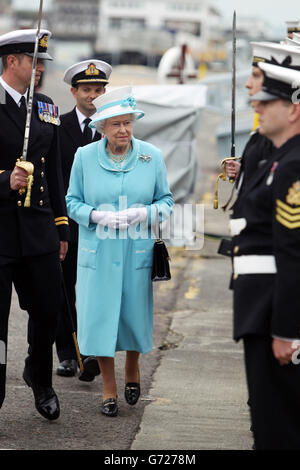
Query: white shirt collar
{"x": 16, "y": 96}
{"x": 81, "y": 117}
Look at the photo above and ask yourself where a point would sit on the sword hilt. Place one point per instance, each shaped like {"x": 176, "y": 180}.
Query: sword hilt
{"x": 223, "y": 162}
{"x": 29, "y": 168}
{"x": 222, "y": 176}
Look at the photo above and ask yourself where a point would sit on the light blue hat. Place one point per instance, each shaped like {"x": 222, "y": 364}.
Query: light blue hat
{"x": 115, "y": 103}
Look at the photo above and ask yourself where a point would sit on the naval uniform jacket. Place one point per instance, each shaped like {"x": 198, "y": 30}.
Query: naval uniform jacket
{"x": 269, "y": 209}
{"x": 257, "y": 151}
{"x": 35, "y": 230}
{"x": 71, "y": 137}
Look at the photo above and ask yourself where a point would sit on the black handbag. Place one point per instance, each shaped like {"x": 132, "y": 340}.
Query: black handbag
{"x": 160, "y": 266}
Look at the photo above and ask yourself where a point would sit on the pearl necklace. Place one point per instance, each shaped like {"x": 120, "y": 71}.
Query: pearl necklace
{"x": 118, "y": 160}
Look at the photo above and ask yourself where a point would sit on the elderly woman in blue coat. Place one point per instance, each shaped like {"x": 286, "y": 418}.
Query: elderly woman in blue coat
{"x": 116, "y": 187}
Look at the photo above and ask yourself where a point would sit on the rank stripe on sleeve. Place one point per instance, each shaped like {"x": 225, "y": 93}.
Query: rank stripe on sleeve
{"x": 285, "y": 223}
{"x": 287, "y": 216}
{"x": 63, "y": 222}
{"x": 287, "y": 208}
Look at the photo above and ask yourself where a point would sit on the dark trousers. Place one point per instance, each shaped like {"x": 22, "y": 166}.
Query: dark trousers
{"x": 274, "y": 394}
{"x": 38, "y": 284}
{"x": 64, "y": 341}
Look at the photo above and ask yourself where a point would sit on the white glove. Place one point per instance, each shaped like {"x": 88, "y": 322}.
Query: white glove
{"x": 135, "y": 214}
{"x": 109, "y": 219}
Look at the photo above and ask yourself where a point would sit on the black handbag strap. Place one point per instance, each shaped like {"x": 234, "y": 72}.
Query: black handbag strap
{"x": 157, "y": 224}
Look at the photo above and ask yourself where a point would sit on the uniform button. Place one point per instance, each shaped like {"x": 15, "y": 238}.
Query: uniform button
{"x": 42, "y": 189}
{"x": 42, "y": 174}
{"x": 43, "y": 160}
{"x": 235, "y": 276}
{"x": 41, "y": 203}
{"x": 19, "y": 203}
{"x": 235, "y": 250}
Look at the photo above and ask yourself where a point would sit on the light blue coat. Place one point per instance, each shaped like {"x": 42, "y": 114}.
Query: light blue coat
{"x": 114, "y": 289}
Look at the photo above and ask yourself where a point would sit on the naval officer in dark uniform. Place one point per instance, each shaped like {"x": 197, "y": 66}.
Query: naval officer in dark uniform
{"x": 87, "y": 80}
{"x": 258, "y": 146}
{"x": 34, "y": 225}
{"x": 265, "y": 226}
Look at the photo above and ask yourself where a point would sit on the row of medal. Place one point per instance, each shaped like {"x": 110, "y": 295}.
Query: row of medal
{"x": 48, "y": 113}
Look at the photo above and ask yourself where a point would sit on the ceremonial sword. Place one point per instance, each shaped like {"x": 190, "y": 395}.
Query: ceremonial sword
{"x": 22, "y": 161}
{"x": 233, "y": 86}
{"x": 233, "y": 92}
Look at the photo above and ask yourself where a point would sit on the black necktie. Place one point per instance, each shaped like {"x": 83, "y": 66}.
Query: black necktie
{"x": 87, "y": 132}
{"x": 23, "y": 107}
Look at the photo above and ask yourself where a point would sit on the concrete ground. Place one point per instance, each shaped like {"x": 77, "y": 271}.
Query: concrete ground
{"x": 198, "y": 390}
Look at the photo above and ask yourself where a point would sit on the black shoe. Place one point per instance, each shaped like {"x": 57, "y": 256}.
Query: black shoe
{"x": 46, "y": 401}
{"x": 109, "y": 407}
{"x": 132, "y": 392}
{"x": 90, "y": 369}
{"x": 67, "y": 368}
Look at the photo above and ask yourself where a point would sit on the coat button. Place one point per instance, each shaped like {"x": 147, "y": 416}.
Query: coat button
{"x": 235, "y": 276}
{"x": 19, "y": 203}
{"x": 42, "y": 174}
{"x": 235, "y": 250}
{"x": 42, "y": 189}
{"x": 43, "y": 160}
{"x": 41, "y": 203}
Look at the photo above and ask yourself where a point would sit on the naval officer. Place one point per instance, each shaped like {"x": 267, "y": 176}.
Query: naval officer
{"x": 87, "y": 80}
{"x": 34, "y": 224}
{"x": 265, "y": 226}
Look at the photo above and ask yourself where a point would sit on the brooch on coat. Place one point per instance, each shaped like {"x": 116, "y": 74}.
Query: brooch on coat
{"x": 145, "y": 158}
{"x": 269, "y": 180}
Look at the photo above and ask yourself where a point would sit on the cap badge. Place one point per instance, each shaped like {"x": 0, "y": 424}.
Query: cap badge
{"x": 44, "y": 41}
{"x": 92, "y": 70}
{"x": 293, "y": 196}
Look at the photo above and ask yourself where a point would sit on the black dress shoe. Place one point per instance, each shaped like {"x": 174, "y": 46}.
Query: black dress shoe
{"x": 132, "y": 392}
{"x": 109, "y": 407}
{"x": 67, "y": 368}
{"x": 90, "y": 369}
{"x": 46, "y": 401}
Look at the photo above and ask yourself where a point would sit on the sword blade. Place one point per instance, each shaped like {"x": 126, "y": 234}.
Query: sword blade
{"x": 31, "y": 89}
{"x": 233, "y": 86}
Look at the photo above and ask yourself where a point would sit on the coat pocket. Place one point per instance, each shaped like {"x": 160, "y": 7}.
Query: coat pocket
{"x": 143, "y": 252}
{"x": 87, "y": 254}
